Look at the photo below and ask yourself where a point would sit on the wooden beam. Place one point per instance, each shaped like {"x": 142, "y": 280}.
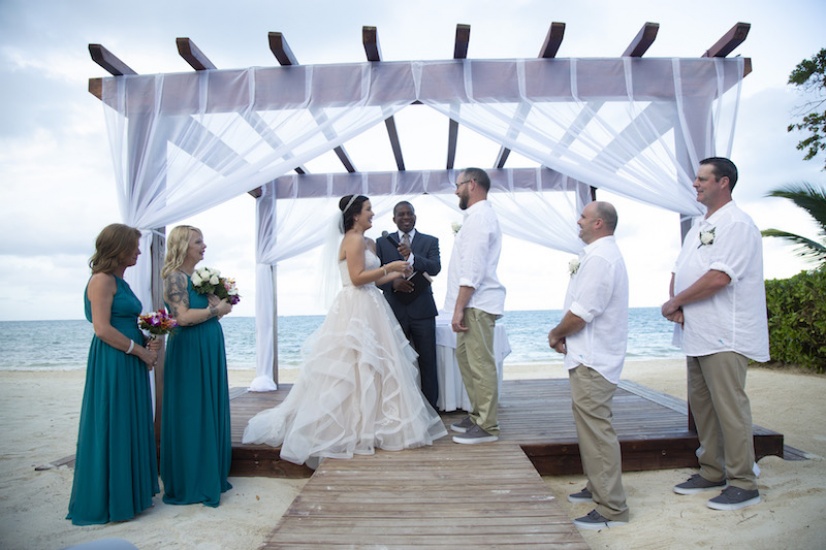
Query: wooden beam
{"x": 370, "y": 40}
{"x": 192, "y": 55}
{"x": 281, "y": 50}
{"x": 109, "y": 61}
{"x": 733, "y": 38}
{"x": 643, "y": 40}
{"x": 553, "y": 40}
{"x": 460, "y": 47}
{"x": 549, "y": 49}
{"x": 200, "y": 62}
{"x": 96, "y": 87}
{"x": 461, "y": 42}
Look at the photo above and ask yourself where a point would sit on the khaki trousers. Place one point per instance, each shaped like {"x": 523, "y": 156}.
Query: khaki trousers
{"x": 599, "y": 449}
{"x": 722, "y": 413}
{"x": 474, "y": 354}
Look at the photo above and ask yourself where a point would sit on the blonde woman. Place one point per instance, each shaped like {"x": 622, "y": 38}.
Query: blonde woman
{"x": 116, "y": 471}
{"x": 196, "y": 449}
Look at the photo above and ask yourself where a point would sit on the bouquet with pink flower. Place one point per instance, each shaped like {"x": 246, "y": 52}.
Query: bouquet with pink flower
{"x": 157, "y": 323}
{"x": 209, "y": 281}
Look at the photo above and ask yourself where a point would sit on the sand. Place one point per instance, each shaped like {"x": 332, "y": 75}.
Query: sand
{"x": 39, "y": 413}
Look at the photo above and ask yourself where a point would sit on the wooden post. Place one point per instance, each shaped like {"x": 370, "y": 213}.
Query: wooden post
{"x": 274, "y": 271}
{"x": 158, "y": 250}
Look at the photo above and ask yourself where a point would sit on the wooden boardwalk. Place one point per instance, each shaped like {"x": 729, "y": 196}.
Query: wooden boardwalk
{"x": 460, "y": 496}
{"x": 536, "y": 416}
{"x": 486, "y": 496}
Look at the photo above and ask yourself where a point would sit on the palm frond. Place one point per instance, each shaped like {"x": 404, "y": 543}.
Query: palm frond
{"x": 807, "y": 196}
{"x": 806, "y": 248}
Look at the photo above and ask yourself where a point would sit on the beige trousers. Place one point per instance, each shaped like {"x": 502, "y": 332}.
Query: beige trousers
{"x": 474, "y": 353}
{"x": 722, "y": 412}
{"x": 599, "y": 449}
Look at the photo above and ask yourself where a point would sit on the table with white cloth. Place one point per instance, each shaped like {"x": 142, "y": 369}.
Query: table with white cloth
{"x": 452, "y": 393}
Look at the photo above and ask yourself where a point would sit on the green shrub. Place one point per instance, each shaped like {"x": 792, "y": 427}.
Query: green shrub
{"x": 797, "y": 319}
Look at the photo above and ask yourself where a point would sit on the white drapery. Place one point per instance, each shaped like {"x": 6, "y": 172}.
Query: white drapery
{"x": 185, "y": 142}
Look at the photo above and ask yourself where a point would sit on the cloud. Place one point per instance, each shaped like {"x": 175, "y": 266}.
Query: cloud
{"x": 56, "y": 179}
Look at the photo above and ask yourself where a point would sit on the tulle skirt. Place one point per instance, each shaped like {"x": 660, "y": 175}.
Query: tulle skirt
{"x": 357, "y": 391}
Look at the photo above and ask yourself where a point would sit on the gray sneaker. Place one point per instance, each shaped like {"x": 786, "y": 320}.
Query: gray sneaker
{"x": 734, "y": 498}
{"x": 698, "y": 484}
{"x": 582, "y": 496}
{"x": 463, "y": 425}
{"x": 474, "y": 436}
{"x": 595, "y": 521}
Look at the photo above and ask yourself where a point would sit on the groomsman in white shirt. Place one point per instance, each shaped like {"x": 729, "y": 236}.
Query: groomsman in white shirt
{"x": 718, "y": 302}
{"x": 593, "y": 335}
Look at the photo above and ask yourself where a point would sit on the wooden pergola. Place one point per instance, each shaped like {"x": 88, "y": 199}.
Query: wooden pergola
{"x": 280, "y": 49}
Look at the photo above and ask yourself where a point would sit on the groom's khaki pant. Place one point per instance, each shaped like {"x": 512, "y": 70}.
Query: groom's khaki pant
{"x": 474, "y": 353}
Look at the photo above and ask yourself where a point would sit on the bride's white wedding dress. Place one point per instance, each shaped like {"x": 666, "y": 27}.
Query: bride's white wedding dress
{"x": 357, "y": 389}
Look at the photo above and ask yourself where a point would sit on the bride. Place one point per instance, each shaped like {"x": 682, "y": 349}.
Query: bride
{"x": 357, "y": 389}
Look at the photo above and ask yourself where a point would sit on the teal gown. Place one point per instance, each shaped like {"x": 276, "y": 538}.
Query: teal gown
{"x": 116, "y": 471}
{"x": 196, "y": 449}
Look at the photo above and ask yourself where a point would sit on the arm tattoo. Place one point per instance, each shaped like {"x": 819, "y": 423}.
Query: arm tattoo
{"x": 176, "y": 294}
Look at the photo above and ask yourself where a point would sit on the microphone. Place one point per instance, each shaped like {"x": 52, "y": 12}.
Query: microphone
{"x": 387, "y": 236}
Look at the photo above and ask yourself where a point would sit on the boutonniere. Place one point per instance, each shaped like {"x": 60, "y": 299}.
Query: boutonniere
{"x": 707, "y": 237}
{"x": 455, "y": 226}
{"x": 573, "y": 266}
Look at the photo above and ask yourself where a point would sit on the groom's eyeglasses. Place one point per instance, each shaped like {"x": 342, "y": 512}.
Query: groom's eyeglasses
{"x": 461, "y": 183}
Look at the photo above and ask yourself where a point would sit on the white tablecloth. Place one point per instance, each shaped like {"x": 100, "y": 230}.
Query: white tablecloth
{"x": 452, "y": 394}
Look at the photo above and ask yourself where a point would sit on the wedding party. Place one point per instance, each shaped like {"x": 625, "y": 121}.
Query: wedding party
{"x": 404, "y": 282}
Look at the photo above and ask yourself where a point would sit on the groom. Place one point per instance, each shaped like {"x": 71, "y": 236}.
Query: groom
{"x": 412, "y": 299}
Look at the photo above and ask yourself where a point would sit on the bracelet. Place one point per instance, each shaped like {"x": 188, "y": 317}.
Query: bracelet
{"x": 131, "y": 347}
{"x": 385, "y": 270}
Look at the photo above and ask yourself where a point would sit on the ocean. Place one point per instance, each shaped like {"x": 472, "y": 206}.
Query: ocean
{"x": 64, "y": 345}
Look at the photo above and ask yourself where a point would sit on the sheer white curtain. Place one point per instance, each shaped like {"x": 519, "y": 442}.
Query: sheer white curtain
{"x": 635, "y": 128}
{"x": 536, "y": 205}
{"x": 184, "y": 142}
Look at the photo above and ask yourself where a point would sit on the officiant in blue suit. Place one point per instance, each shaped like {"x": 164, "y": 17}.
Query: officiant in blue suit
{"x": 411, "y": 299}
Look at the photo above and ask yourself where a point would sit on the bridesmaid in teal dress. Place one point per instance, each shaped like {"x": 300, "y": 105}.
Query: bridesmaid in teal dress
{"x": 196, "y": 449}
{"x": 116, "y": 472}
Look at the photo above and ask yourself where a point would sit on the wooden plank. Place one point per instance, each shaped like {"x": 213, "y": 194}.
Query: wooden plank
{"x": 643, "y": 40}
{"x": 549, "y": 49}
{"x": 729, "y": 41}
{"x": 536, "y": 415}
{"x": 439, "y": 496}
{"x": 460, "y": 48}
{"x": 370, "y": 40}
{"x": 282, "y": 52}
{"x": 192, "y": 55}
{"x": 461, "y": 41}
{"x": 109, "y": 61}
{"x": 553, "y": 41}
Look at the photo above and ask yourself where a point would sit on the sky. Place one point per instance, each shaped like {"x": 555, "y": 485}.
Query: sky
{"x": 56, "y": 176}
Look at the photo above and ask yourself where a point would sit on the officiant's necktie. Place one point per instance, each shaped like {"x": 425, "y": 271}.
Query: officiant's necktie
{"x": 406, "y": 240}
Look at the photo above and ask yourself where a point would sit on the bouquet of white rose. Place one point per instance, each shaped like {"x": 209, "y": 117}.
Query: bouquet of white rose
{"x": 207, "y": 280}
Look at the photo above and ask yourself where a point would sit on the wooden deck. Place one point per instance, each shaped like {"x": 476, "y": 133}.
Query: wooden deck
{"x": 433, "y": 497}
{"x": 534, "y": 415}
